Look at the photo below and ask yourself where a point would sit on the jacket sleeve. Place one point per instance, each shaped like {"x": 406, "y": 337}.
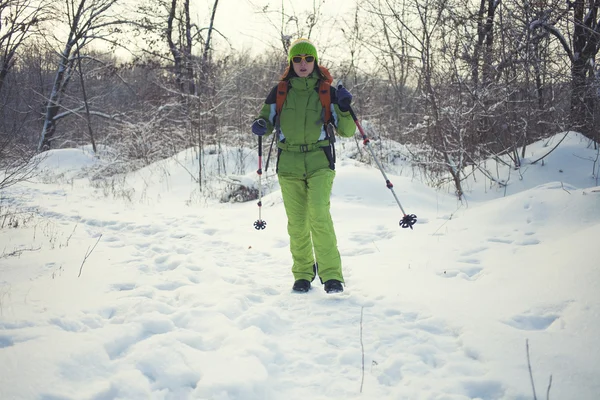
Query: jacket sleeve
{"x": 267, "y": 112}
{"x": 344, "y": 123}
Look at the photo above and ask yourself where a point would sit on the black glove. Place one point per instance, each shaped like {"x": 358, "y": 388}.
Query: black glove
{"x": 259, "y": 127}
{"x": 344, "y": 98}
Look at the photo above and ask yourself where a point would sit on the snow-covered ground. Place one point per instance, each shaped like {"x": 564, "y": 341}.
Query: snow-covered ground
{"x": 140, "y": 288}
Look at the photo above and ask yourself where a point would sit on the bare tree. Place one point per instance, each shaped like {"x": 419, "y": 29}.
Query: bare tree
{"x": 169, "y": 22}
{"x": 481, "y": 64}
{"x": 19, "y": 19}
{"x": 186, "y": 49}
{"x": 415, "y": 28}
{"x": 17, "y": 163}
{"x": 581, "y": 49}
{"x": 88, "y": 20}
{"x": 291, "y": 24}
{"x": 391, "y": 46}
{"x": 179, "y": 39}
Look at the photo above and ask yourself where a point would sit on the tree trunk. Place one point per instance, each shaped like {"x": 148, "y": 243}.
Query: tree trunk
{"x": 87, "y": 106}
{"x": 173, "y": 46}
{"x": 85, "y": 24}
{"x": 58, "y": 88}
{"x": 585, "y": 47}
{"x": 189, "y": 65}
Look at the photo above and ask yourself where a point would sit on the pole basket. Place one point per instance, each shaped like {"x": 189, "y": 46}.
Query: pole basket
{"x": 408, "y": 221}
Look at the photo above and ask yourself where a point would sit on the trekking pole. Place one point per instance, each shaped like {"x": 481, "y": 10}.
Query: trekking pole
{"x": 259, "y": 223}
{"x": 269, "y": 155}
{"x": 408, "y": 220}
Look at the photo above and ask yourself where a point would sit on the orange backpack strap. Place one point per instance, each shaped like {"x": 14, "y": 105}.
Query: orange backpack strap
{"x": 325, "y": 93}
{"x": 282, "y": 89}
{"x": 325, "y": 96}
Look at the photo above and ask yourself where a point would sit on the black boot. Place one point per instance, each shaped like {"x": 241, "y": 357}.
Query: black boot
{"x": 301, "y": 285}
{"x": 333, "y": 286}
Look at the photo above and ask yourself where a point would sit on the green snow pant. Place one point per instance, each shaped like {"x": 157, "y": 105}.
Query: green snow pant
{"x": 306, "y": 202}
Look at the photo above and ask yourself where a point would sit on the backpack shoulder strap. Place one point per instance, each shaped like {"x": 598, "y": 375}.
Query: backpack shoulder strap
{"x": 325, "y": 96}
{"x": 282, "y": 90}
{"x": 325, "y": 93}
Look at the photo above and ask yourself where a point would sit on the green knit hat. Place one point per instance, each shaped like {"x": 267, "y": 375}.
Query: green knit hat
{"x": 302, "y": 46}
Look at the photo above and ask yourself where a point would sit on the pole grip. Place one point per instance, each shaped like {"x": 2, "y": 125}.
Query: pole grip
{"x": 358, "y": 125}
{"x": 260, "y": 146}
{"x": 352, "y": 113}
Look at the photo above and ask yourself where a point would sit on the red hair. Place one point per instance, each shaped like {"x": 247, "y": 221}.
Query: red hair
{"x": 289, "y": 72}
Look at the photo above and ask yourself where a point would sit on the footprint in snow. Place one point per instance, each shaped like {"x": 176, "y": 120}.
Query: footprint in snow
{"x": 484, "y": 389}
{"x": 473, "y": 251}
{"x": 498, "y": 240}
{"x": 529, "y": 242}
{"x": 357, "y": 251}
{"x": 122, "y": 287}
{"x": 531, "y": 322}
{"x": 169, "y": 286}
{"x": 537, "y": 319}
{"x": 6, "y": 341}
{"x": 166, "y": 262}
{"x": 468, "y": 273}
{"x": 469, "y": 261}
{"x": 135, "y": 327}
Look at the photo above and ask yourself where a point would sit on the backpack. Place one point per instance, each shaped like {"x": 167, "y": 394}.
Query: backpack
{"x": 324, "y": 94}
{"x": 324, "y": 91}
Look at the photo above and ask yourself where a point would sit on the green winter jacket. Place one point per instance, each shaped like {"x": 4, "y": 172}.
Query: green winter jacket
{"x": 301, "y": 123}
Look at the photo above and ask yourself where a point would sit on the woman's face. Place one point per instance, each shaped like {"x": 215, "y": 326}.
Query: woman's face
{"x": 302, "y": 67}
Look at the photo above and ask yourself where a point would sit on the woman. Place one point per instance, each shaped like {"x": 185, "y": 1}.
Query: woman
{"x": 305, "y": 164}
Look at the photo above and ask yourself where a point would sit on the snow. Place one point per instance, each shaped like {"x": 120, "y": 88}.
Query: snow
{"x": 183, "y": 299}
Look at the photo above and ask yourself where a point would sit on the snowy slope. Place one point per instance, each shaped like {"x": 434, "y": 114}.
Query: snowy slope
{"x": 181, "y": 298}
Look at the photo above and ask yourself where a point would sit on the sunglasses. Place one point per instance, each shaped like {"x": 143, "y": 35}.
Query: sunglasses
{"x": 298, "y": 59}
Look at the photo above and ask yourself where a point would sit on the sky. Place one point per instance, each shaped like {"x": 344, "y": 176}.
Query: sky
{"x": 244, "y": 26}
{"x": 141, "y": 287}
{"x": 247, "y": 28}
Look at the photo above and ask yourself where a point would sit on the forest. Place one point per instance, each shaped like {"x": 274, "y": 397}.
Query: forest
{"x": 461, "y": 80}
